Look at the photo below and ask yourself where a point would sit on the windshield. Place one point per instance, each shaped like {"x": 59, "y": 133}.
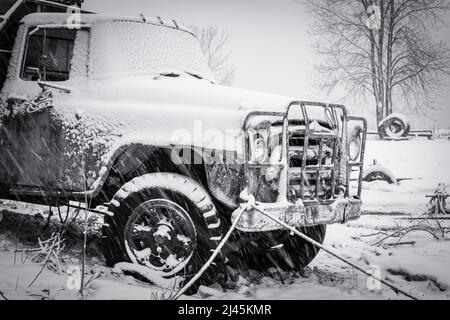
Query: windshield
{"x": 123, "y": 48}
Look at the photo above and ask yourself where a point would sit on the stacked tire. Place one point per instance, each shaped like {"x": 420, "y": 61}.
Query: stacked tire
{"x": 395, "y": 126}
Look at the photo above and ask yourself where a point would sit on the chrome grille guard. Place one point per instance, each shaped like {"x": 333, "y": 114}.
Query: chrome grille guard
{"x": 337, "y": 117}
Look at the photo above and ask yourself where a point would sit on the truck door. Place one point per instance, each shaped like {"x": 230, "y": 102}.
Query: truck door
{"x": 31, "y": 134}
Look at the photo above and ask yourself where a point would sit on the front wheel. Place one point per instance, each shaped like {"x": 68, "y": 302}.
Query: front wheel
{"x": 164, "y": 223}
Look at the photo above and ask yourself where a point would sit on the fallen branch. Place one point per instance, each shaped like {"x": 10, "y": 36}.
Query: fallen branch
{"x": 429, "y": 222}
{"x": 373, "y": 234}
{"x": 397, "y": 234}
{"x": 401, "y": 244}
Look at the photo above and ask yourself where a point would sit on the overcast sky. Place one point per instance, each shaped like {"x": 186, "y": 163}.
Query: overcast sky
{"x": 269, "y": 42}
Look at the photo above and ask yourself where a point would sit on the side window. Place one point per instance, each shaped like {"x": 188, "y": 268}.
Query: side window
{"x": 50, "y": 51}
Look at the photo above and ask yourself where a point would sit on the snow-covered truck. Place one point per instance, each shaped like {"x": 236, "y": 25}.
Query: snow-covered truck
{"x": 123, "y": 114}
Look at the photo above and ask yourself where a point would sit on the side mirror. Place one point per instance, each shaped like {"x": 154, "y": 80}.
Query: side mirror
{"x": 43, "y": 84}
{"x": 34, "y": 70}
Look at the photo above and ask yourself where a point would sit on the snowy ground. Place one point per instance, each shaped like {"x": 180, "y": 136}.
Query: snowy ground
{"x": 420, "y": 268}
{"x": 425, "y": 162}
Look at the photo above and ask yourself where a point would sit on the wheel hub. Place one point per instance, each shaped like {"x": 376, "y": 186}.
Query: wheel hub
{"x": 161, "y": 236}
{"x": 395, "y": 127}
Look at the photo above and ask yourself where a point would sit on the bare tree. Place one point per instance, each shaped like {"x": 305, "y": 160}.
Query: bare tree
{"x": 213, "y": 41}
{"x": 382, "y": 48}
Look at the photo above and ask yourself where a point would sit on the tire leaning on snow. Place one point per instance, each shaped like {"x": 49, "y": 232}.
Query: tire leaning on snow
{"x": 395, "y": 126}
{"x": 182, "y": 191}
{"x": 379, "y": 173}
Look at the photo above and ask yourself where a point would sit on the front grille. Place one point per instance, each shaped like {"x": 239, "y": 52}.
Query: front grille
{"x": 318, "y": 179}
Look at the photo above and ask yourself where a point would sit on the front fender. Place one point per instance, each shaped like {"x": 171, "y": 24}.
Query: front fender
{"x": 223, "y": 170}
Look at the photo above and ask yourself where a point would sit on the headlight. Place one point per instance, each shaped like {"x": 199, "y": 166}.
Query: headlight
{"x": 355, "y": 148}
{"x": 259, "y": 151}
{"x": 258, "y": 139}
{"x": 355, "y": 144}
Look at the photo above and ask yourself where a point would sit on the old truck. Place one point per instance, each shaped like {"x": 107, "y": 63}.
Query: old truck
{"x": 123, "y": 114}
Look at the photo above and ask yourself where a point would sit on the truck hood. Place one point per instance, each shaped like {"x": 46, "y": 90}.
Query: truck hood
{"x": 185, "y": 91}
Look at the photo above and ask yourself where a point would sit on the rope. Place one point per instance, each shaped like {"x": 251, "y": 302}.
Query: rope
{"x": 214, "y": 255}
{"x": 42, "y": 102}
{"x": 318, "y": 245}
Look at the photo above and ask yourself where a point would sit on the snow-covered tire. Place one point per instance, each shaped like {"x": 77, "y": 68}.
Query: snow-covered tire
{"x": 298, "y": 253}
{"x": 379, "y": 173}
{"x": 281, "y": 250}
{"x": 395, "y": 126}
{"x": 177, "y": 196}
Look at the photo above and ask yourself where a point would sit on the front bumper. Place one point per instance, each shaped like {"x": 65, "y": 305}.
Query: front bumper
{"x": 298, "y": 215}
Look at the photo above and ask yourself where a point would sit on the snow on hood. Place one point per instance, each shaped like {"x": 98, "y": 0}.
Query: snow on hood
{"x": 184, "y": 101}
{"x": 187, "y": 91}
